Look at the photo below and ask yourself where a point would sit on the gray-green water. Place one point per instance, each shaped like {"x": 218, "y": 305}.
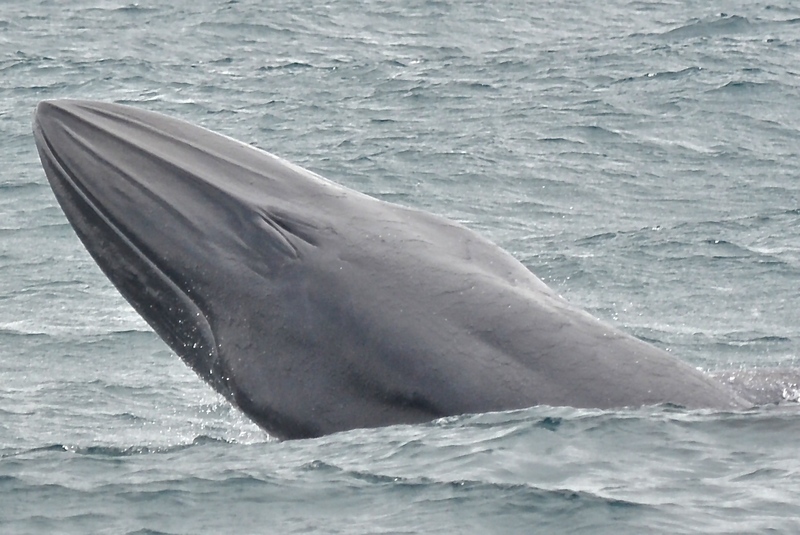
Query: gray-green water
{"x": 640, "y": 157}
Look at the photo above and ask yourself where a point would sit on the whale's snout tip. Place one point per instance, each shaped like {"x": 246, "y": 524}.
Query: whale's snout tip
{"x": 46, "y": 108}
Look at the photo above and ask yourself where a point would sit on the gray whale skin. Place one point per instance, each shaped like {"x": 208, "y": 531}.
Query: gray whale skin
{"x": 315, "y": 308}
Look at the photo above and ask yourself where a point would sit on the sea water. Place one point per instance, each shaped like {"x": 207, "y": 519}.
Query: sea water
{"x": 639, "y": 157}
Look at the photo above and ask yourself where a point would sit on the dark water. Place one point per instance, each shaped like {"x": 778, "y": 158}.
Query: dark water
{"x": 640, "y": 157}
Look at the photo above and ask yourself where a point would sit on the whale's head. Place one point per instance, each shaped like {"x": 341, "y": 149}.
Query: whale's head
{"x": 189, "y": 225}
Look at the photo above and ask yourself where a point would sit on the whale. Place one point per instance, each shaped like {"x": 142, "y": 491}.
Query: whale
{"x": 314, "y": 308}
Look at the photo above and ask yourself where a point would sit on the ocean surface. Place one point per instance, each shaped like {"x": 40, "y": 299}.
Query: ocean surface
{"x": 639, "y": 157}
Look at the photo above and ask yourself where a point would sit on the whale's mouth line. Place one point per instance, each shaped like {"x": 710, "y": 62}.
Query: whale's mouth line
{"x": 138, "y": 261}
